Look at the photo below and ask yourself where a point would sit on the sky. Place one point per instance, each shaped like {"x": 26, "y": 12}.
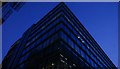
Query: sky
{"x": 100, "y": 19}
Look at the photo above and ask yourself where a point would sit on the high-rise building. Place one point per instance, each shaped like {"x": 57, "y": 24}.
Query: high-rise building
{"x": 57, "y": 41}
{"x": 8, "y": 8}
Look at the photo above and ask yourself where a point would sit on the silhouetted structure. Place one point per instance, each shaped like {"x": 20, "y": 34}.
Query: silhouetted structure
{"x": 57, "y": 41}
{"x": 8, "y": 8}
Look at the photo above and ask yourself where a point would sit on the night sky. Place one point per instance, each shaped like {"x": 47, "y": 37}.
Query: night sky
{"x": 100, "y": 19}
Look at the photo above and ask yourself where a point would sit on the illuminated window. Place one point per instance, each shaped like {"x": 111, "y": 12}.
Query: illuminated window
{"x": 78, "y": 36}
{"x": 65, "y": 58}
{"x": 83, "y": 41}
{"x": 53, "y": 64}
{"x": 88, "y": 47}
{"x": 62, "y": 61}
{"x": 74, "y": 65}
{"x": 61, "y": 55}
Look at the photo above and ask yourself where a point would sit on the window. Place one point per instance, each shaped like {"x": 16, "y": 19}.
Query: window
{"x": 55, "y": 17}
{"x": 71, "y": 43}
{"x": 67, "y": 18}
{"x": 42, "y": 27}
{"x": 88, "y": 59}
{"x": 39, "y": 47}
{"x": 65, "y": 37}
{"x": 79, "y": 51}
{"x": 78, "y": 37}
{"x": 74, "y": 65}
{"x": 76, "y": 48}
{"x": 82, "y": 40}
{"x": 92, "y": 63}
{"x": 82, "y": 54}
{"x": 21, "y": 66}
{"x": 27, "y": 44}
{"x": 83, "y": 47}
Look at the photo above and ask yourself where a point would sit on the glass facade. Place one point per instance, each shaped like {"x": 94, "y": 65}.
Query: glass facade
{"x": 59, "y": 41}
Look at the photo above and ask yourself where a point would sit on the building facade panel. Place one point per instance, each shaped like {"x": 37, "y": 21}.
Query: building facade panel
{"x": 59, "y": 40}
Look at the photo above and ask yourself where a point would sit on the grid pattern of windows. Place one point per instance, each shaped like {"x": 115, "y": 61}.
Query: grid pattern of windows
{"x": 78, "y": 47}
{"x": 44, "y": 38}
{"x": 84, "y": 33}
{"x": 60, "y": 36}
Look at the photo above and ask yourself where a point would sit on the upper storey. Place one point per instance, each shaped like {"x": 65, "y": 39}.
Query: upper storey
{"x": 62, "y": 18}
{"x": 61, "y": 10}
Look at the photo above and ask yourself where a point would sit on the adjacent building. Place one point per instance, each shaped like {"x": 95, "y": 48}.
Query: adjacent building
{"x": 8, "y": 8}
{"x": 57, "y": 41}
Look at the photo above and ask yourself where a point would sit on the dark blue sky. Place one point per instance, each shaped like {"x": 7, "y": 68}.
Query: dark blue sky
{"x": 100, "y": 19}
